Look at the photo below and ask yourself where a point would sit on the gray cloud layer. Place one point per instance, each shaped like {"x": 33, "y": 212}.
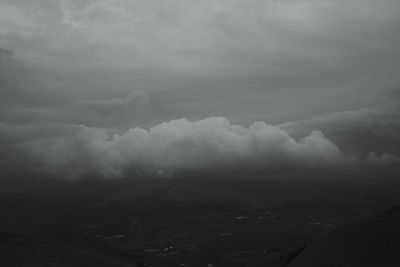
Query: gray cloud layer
{"x": 115, "y": 66}
{"x": 244, "y": 60}
{"x": 368, "y": 135}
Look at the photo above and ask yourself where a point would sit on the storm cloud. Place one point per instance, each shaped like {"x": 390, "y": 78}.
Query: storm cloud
{"x": 100, "y": 87}
{"x": 272, "y": 61}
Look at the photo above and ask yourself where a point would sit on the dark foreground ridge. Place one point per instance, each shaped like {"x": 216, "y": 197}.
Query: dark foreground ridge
{"x": 373, "y": 242}
{"x": 192, "y": 221}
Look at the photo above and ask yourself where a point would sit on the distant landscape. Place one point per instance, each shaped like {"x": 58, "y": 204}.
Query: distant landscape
{"x": 181, "y": 221}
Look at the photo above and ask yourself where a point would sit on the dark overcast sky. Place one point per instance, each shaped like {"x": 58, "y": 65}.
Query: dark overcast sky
{"x": 74, "y": 70}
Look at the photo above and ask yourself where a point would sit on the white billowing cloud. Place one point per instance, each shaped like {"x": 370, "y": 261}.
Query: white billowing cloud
{"x": 178, "y": 145}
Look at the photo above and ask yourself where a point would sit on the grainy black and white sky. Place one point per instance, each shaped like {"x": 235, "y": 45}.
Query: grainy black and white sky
{"x": 130, "y": 87}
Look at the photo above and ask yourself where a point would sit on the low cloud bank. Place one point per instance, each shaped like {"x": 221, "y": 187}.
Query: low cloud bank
{"x": 370, "y": 135}
{"x": 179, "y": 145}
{"x": 362, "y": 138}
